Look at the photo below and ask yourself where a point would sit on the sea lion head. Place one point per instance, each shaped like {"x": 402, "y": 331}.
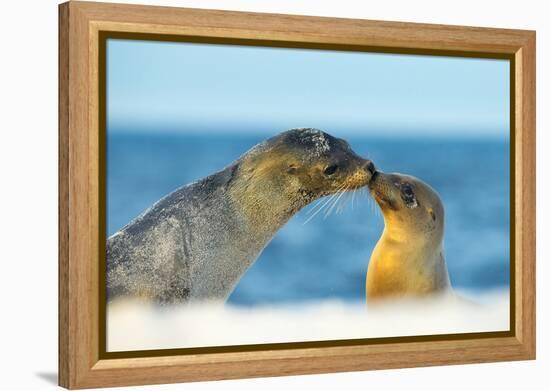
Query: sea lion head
{"x": 297, "y": 167}
{"x": 312, "y": 163}
{"x": 412, "y": 210}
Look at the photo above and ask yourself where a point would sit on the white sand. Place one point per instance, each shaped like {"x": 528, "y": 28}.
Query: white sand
{"x": 133, "y": 325}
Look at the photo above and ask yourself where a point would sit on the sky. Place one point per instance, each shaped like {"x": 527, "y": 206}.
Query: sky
{"x": 184, "y": 87}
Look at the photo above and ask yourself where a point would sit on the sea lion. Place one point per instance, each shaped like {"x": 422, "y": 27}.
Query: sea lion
{"x": 408, "y": 260}
{"x": 196, "y": 243}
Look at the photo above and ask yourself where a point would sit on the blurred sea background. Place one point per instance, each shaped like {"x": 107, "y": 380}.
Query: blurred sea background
{"x": 327, "y": 257}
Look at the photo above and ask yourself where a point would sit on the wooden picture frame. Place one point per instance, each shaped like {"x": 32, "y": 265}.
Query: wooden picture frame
{"x": 83, "y": 363}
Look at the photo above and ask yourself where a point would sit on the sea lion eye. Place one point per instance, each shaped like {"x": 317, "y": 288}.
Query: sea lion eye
{"x": 331, "y": 169}
{"x": 432, "y": 214}
{"x": 407, "y": 195}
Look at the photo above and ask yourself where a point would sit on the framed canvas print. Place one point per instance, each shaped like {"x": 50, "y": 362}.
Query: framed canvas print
{"x": 248, "y": 195}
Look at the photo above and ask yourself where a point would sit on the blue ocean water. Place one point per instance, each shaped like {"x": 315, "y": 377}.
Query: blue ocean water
{"x": 328, "y": 257}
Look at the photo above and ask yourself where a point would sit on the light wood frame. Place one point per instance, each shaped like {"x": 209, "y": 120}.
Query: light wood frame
{"x": 81, "y": 164}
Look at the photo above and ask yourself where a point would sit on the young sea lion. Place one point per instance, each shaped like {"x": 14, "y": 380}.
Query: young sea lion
{"x": 197, "y": 242}
{"x": 408, "y": 259}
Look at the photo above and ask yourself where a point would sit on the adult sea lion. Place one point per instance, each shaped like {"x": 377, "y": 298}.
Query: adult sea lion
{"x": 408, "y": 260}
{"x": 197, "y": 242}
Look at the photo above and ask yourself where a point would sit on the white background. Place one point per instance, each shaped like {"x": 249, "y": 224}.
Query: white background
{"x": 28, "y": 214}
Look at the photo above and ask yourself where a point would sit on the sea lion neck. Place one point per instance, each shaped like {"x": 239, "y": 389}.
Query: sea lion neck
{"x": 394, "y": 230}
{"x": 397, "y": 231}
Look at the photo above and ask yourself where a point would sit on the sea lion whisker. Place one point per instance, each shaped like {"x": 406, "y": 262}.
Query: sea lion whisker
{"x": 340, "y": 204}
{"x": 343, "y": 204}
{"x": 320, "y": 203}
{"x": 321, "y": 208}
{"x": 350, "y": 199}
{"x": 323, "y": 202}
{"x": 337, "y": 204}
{"x": 318, "y": 210}
{"x": 333, "y": 201}
{"x": 329, "y": 211}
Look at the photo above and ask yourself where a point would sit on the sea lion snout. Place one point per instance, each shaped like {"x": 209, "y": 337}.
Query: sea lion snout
{"x": 359, "y": 172}
{"x": 356, "y": 171}
{"x": 382, "y": 190}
